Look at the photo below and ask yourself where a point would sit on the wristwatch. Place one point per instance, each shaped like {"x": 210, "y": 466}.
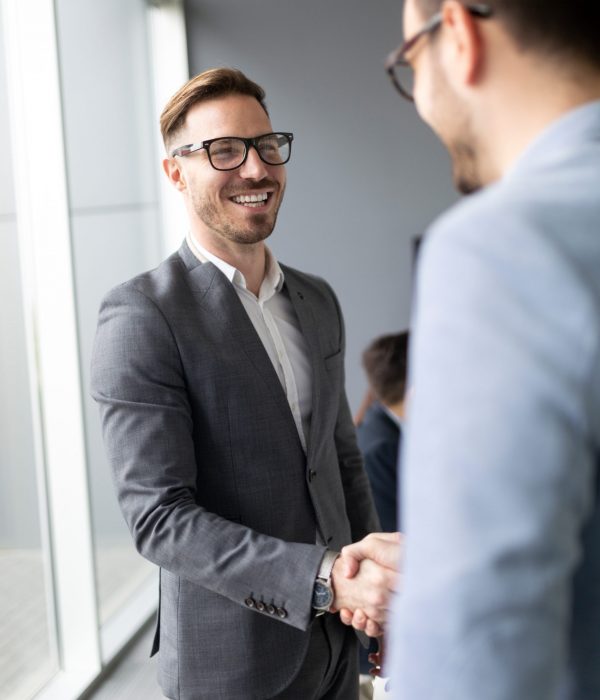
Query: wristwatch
{"x": 322, "y": 598}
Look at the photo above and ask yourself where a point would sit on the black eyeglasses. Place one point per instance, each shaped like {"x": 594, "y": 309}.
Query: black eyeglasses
{"x": 397, "y": 65}
{"x": 230, "y": 152}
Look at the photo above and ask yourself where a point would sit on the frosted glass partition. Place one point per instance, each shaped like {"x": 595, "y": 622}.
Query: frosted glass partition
{"x": 27, "y": 649}
{"x": 28, "y": 656}
{"x": 79, "y": 213}
{"x": 112, "y": 170}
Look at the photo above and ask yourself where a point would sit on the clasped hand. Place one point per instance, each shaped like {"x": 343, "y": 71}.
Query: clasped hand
{"x": 364, "y": 577}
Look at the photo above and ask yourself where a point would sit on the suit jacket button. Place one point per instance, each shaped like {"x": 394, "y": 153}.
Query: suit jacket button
{"x": 271, "y": 609}
{"x": 260, "y": 606}
{"x": 282, "y": 612}
{"x": 312, "y": 474}
{"x": 250, "y": 602}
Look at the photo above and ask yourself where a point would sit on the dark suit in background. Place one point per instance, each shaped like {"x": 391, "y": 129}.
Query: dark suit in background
{"x": 379, "y": 440}
{"x": 379, "y": 433}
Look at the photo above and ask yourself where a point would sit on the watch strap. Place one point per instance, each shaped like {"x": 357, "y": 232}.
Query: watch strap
{"x": 327, "y": 565}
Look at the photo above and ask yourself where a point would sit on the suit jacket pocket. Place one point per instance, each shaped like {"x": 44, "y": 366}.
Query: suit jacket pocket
{"x": 332, "y": 362}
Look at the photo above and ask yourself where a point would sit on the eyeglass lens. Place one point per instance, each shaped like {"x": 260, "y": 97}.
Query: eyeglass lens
{"x": 229, "y": 153}
{"x": 404, "y": 76}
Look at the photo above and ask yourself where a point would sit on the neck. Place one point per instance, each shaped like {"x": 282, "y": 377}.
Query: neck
{"x": 250, "y": 259}
{"x": 516, "y": 111}
{"x": 398, "y": 409}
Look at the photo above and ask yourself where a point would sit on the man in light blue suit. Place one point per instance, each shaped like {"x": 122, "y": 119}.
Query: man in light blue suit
{"x": 501, "y": 506}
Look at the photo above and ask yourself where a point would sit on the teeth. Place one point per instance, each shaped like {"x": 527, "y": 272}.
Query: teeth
{"x": 250, "y": 198}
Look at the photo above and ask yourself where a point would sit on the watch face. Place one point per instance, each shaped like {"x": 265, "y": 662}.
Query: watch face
{"x": 322, "y": 596}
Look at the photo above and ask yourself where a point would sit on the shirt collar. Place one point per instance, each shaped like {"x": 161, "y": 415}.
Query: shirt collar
{"x": 397, "y": 420}
{"x": 569, "y": 131}
{"x": 271, "y": 284}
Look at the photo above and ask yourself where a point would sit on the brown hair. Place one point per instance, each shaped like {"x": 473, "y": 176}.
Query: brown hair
{"x": 385, "y": 361}
{"x": 216, "y": 82}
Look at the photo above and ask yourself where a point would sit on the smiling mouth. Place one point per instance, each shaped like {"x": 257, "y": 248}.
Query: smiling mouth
{"x": 258, "y": 199}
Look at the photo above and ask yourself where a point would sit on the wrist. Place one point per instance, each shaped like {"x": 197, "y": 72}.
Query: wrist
{"x": 323, "y": 593}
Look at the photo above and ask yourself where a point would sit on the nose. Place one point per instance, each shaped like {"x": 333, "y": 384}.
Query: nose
{"x": 253, "y": 167}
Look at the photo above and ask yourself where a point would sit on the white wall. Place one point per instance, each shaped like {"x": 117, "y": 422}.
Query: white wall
{"x": 365, "y": 176}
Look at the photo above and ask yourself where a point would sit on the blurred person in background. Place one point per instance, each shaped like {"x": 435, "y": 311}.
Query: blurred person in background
{"x": 379, "y": 436}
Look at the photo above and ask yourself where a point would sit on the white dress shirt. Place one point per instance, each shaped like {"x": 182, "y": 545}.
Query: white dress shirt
{"x": 277, "y": 326}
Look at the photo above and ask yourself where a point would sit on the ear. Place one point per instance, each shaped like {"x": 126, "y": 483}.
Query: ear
{"x": 466, "y": 42}
{"x": 174, "y": 173}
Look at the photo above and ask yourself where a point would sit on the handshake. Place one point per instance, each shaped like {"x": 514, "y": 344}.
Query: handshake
{"x": 363, "y": 578}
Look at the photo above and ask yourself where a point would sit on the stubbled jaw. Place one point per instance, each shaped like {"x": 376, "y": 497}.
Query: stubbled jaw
{"x": 254, "y": 200}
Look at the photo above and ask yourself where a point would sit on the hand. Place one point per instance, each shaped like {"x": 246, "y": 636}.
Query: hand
{"x": 368, "y": 590}
{"x": 377, "y": 658}
{"x": 359, "y": 620}
{"x": 384, "y": 548}
{"x": 368, "y": 399}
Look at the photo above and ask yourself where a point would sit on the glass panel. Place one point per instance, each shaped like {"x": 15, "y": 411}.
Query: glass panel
{"x": 28, "y": 657}
{"x": 114, "y": 222}
{"x": 27, "y": 649}
{"x": 97, "y": 239}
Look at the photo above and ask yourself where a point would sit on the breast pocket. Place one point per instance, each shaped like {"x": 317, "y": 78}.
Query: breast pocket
{"x": 334, "y": 362}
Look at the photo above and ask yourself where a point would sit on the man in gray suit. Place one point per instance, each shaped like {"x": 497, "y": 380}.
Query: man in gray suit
{"x": 501, "y": 587}
{"x": 220, "y": 380}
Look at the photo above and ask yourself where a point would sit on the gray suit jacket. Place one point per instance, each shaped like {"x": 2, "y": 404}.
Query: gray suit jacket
{"x": 211, "y": 476}
{"x": 501, "y": 590}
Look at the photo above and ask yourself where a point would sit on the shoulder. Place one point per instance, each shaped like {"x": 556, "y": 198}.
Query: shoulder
{"x": 315, "y": 290}
{"x": 511, "y": 272}
{"x": 168, "y": 283}
{"x": 516, "y": 244}
{"x": 153, "y": 282}
{"x": 377, "y": 429}
{"x": 541, "y": 219}
{"x": 312, "y": 284}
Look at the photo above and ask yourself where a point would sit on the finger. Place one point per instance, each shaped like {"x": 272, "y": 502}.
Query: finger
{"x": 380, "y": 577}
{"x": 388, "y": 536}
{"x": 372, "y": 629}
{"x": 351, "y": 566}
{"x": 383, "y": 548}
{"x": 346, "y": 616}
{"x": 359, "y": 620}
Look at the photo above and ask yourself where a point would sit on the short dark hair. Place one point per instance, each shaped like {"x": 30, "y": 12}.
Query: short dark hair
{"x": 385, "y": 362}
{"x": 551, "y": 26}
{"x": 216, "y": 82}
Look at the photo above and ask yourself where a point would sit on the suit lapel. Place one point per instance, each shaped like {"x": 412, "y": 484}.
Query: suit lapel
{"x": 215, "y": 293}
{"x": 310, "y": 331}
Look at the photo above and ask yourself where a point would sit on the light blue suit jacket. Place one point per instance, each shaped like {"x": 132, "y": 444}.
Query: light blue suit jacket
{"x": 501, "y": 597}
